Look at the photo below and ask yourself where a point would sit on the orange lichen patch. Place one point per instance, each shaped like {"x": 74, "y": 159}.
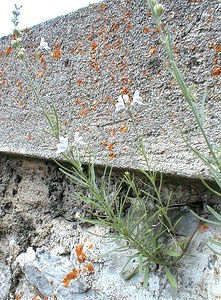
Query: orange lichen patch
{"x": 90, "y": 267}
{"x": 29, "y": 137}
{"x": 19, "y": 296}
{"x": 104, "y": 143}
{"x": 90, "y": 246}
{"x": 81, "y": 257}
{"x": 123, "y": 128}
{"x": 8, "y": 51}
{"x": 103, "y": 6}
{"x": 19, "y": 86}
{"x": 94, "y": 45}
{"x": 128, "y": 14}
{"x": 176, "y": 50}
{"x": 80, "y": 82}
{"x": 129, "y": 27}
{"x": 216, "y": 47}
{"x": 26, "y": 30}
{"x": 152, "y": 50}
{"x": 111, "y": 131}
{"x": 112, "y": 155}
{"x": 39, "y": 74}
{"x": 37, "y": 297}
{"x": 124, "y": 90}
{"x": 124, "y": 80}
{"x": 84, "y": 112}
{"x": 216, "y": 71}
{"x": 215, "y": 60}
{"x": 204, "y": 228}
{"x": 110, "y": 147}
{"x": 108, "y": 98}
{"x": 20, "y": 103}
{"x": 77, "y": 50}
{"x": 96, "y": 67}
{"x": 57, "y": 53}
{"x": 146, "y": 29}
{"x": 41, "y": 58}
{"x": 77, "y": 101}
{"x": 149, "y": 14}
{"x": 70, "y": 276}
{"x": 125, "y": 148}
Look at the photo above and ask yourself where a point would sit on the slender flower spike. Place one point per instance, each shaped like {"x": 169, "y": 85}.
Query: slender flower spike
{"x": 63, "y": 145}
{"x": 78, "y": 140}
{"x": 43, "y": 45}
{"x": 121, "y": 101}
{"x": 137, "y": 99}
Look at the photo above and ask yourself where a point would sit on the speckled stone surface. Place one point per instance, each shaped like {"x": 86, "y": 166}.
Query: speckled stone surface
{"x": 97, "y": 52}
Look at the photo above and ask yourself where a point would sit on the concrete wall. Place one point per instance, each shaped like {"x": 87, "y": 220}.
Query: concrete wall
{"x": 96, "y": 53}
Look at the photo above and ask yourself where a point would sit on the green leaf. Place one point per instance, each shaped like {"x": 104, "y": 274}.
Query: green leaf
{"x": 146, "y": 275}
{"x": 214, "y": 251}
{"x": 214, "y": 242}
{"x": 216, "y": 215}
{"x": 206, "y": 220}
{"x": 172, "y": 253}
{"x": 171, "y": 279}
{"x": 140, "y": 263}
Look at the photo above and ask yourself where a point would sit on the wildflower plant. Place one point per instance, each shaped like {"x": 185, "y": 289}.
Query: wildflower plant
{"x": 133, "y": 208}
{"x": 213, "y": 161}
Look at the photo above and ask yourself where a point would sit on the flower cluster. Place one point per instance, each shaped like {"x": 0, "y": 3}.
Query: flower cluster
{"x": 64, "y": 146}
{"x": 124, "y": 101}
{"x": 158, "y": 8}
{"x": 17, "y": 42}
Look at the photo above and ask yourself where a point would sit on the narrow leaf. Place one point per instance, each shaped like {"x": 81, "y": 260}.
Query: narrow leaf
{"x": 171, "y": 279}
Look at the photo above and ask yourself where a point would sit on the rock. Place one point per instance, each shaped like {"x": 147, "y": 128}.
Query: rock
{"x": 45, "y": 270}
{"x": 5, "y": 280}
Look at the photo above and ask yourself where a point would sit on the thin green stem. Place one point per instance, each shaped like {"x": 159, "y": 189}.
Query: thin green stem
{"x": 166, "y": 40}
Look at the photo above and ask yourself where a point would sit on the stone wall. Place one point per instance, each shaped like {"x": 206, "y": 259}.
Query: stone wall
{"x": 40, "y": 230}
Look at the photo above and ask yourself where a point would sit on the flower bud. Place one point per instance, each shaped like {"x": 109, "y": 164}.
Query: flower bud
{"x": 14, "y": 44}
{"x": 158, "y": 8}
{"x": 21, "y": 54}
{"x": 17, "y": 32}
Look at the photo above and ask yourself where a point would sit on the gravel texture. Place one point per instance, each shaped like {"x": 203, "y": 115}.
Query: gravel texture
{"x": 97, "y": 52}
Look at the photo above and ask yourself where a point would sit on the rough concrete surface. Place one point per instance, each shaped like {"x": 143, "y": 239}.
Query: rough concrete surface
{"x": 40, "y": 229}
{"x": 97, "y": 53}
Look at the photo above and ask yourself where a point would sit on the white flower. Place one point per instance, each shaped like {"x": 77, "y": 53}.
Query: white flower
{"x": 43, "y": 45}
{"x": 121, "y": 101}
{"x": 137, "y": 99}
{"x": 78, "y": 140}
{"x": 63, "y": 145}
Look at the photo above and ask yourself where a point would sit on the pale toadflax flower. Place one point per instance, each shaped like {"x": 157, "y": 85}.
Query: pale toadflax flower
{"x": 123, "y": 102}
{"x": 43, "y": 45}
{"x": 63, "y": 145}
{"x": 137, "y": 99}
{"x": 78, "y": 140}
